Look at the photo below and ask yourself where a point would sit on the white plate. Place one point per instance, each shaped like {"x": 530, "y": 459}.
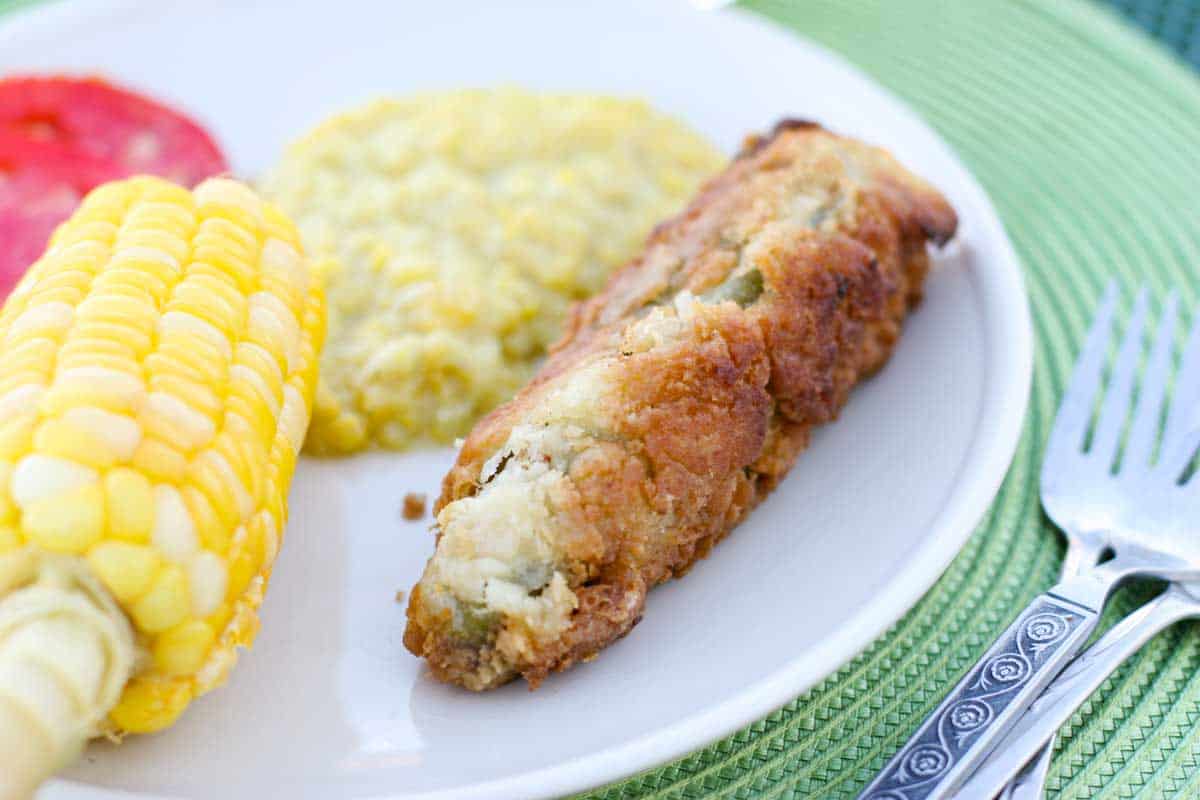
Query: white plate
{"x": 329, "y": 704}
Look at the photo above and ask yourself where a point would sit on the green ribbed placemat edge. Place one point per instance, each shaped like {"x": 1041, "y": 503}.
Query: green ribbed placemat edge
{"x": 1084, "y": 132}
{"x": 12, "y": 5}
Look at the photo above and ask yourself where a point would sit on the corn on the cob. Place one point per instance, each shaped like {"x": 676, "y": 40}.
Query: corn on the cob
{"x": 157, "y": 368}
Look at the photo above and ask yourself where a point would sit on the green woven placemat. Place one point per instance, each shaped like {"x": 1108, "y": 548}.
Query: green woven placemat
{"x": 1175, "y": 23}
{"x": 1087, "y": 137}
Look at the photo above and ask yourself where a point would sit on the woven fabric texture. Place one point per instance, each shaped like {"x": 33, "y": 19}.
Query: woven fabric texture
{"x": 1084, "y": 133}
{"x": 1175, "y": 23}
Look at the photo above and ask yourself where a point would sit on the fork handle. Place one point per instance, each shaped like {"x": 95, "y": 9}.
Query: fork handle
{"x": 960, "y": 733}
{"x": 1073, "y": 686}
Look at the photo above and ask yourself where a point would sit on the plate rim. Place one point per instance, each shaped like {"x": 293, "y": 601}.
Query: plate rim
{"x": 1005, "y": 404}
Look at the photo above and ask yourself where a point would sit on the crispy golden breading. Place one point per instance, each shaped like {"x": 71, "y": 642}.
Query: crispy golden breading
{"x": 676, "y": 400}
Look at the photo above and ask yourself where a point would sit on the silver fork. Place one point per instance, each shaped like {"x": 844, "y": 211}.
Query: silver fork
{"x": 1068, "y": 692}
{"x": 1180, "y": 601}
{"x": 1123, "y": 516}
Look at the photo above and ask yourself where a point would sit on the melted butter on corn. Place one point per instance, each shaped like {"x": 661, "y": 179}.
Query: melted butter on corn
{"x": 157, "y": 371}
{"x": 456, "y": 229}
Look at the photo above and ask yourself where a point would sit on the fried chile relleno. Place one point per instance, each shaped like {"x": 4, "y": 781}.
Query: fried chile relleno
{"x": 676, "y": 400}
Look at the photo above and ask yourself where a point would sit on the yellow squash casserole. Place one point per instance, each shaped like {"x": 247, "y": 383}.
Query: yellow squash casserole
{"x": 458, "y": 228}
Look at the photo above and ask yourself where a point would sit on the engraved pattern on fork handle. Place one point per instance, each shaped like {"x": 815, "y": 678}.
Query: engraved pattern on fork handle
{"x": 1070, "y": 689}
{"x": 955, "y": 738}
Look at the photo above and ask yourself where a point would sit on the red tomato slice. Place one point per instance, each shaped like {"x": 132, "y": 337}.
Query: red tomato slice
{"x": 23, "y": 238}
{"x": 35, "y": 174}
{"x": 96, "y": 119}
{"x": 40, "y": 185}
{"x": 62, "y": 137}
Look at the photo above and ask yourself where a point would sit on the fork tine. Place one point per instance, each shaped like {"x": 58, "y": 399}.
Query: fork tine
{"x": 1180, "y": 436}
{"x": 1070, "y": 424}
{"x": 1119, "y": 395}
{"x": 1187, "y": 384}
{"x": 1143, "y": 432}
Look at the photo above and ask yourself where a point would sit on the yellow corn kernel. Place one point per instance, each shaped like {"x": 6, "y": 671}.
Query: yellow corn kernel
{"x": 257, "y": 389}
{"x": 137, "y": 340}
{"x": 24, "y": 399}
{"x": 203, "y": 296}
{"x": 154, "y": 257}
{"x": 41, "y": 477}
{"x": 108, "y": 202}
{"x": 244, "y": 629}
{"x": 244, "y": 454}
{"x": 284, "y": 457}
{"x": 118, "y": 431}
{"x": 36, "y": 354}
{"x": 172, "y": 420}
{"x": 261, "y": 534}
{"x": 276, "y": 499}
{"x": 151, "y": 703}
{"x": 214, "y": 476}
{"x": 203, "y": 399}
{"x": 244, "y": 402}
{"x": 13, "y": 381}
{"x": 80, "y": 349}
{"x": 222, "y": 202}
{"x": 208, "y": 579}
{"x": 58, "y": 437}
{"x": 166, "y": 214}
{"x": 226, "y": 212}
{"x": 129, "y": 499}
{"x": 115, "y": 363}
{"x": 220, "y": 618}
{"x": 10, "y": 538}
{"x": 74, "y": 279}
{"x": 293, "y": 418}
{"x": 50, "y": 320}
{"x": 135, "y": 274}
{"x": 264, "y": 367}
{"x": 174, "y": 534}
{"x": 243, "y": 564}
{"x": 128, "y": 570}
{"x": 78, "y": 254}
{"x": 236, "y": 269}
{"x": 182, "y": 649}
{"x": 213, "y": 534}
{"x": 69, "y": 295}
{"x": 120, "y": 309}
{"x": 195, "y": 360}
{"x": 185, "y": 328}
{"x": 16, "y": 436}
{"x": 160, "y": 462}
{"x": 166, "y": 604}
{"x": 214, "y": 281}
{"x": 95, "y": 387}
{"x": 70, "y": 522}
{"x": 274, "y": 329}
{"x": 159, "y": 241}
{"x": 276, "y": 225}
{"x": 256, "y": 540}
{"x": 8, "y": 509}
